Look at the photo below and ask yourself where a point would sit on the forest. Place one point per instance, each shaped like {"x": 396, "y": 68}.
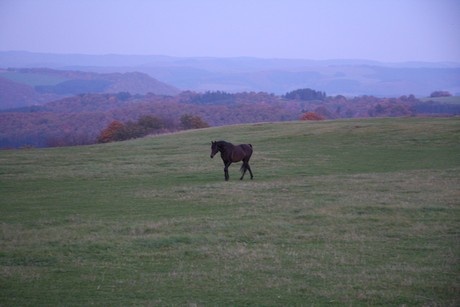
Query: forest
{"x": 90, "y": 118}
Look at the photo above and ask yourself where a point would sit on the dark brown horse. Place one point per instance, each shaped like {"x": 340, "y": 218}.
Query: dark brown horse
{"x": 233, "y": 153}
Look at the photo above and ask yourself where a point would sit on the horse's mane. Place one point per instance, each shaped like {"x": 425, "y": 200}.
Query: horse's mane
{"x": 223, "y": 143}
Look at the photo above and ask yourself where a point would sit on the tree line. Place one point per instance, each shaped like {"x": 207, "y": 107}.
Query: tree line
{"x": 306, "y": 94}
{"x": 91, "y": 118}
{"x": 118, "y": 131}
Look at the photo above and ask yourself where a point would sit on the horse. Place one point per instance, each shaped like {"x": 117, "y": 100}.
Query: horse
{"x": 233, "y": 153}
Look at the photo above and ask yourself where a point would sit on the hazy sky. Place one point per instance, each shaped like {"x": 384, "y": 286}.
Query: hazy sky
{"x": 384, "y": 30}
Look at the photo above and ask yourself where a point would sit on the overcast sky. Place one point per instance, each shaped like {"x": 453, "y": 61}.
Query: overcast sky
{"x": 383, "y": 30}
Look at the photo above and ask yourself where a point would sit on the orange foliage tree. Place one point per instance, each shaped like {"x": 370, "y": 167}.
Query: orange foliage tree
{"x": 193, "y": 122}
{"x": 110, "y": 133}
{"x": 311, "y": 116}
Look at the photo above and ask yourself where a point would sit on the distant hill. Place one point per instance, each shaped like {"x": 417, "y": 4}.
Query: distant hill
{"x": 14, "y": 94}
{"x": 278, "y": 76}
{"x": 344, "y": 79}
{"x": 31, "y": 86}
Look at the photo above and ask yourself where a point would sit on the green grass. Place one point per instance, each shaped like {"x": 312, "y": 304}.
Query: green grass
{"x": 356, "y": 212}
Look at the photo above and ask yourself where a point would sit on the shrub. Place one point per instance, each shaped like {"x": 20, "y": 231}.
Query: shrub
{"x": 192, "y": 122}
{"x": 311, "y": 116}
{"x": 117, "y": 131}
{"x": 110, "y": 133}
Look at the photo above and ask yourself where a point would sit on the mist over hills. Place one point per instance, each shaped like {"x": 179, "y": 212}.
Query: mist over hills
{"x": 246, "y": 74}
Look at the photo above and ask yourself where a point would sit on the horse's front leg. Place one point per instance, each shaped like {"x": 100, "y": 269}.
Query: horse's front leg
{"x": 227, "y": 164}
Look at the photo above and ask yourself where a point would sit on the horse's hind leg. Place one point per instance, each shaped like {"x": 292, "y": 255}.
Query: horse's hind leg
{"x": 249, "y": 169}
{"x": 244, "y": 168}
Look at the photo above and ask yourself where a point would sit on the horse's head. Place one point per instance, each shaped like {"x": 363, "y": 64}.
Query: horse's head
{"x": 214, "y": 149}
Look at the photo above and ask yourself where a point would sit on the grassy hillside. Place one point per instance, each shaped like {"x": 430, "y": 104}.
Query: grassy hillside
{"x": 339, "y": 212}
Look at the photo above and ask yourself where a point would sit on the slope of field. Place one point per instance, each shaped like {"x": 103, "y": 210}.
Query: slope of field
{"x": 351, "y": 212}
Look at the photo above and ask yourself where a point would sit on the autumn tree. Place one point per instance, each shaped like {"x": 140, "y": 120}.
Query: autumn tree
{"x": 111, "y": 133}
{"x": 324, "y": 112}
{"x": 192, "y": 122}
{"x": 117, "y": 131}
{"x": 150, "y": 123}
{"x": 311, "y": 116}
{"x": 131, "y": 130}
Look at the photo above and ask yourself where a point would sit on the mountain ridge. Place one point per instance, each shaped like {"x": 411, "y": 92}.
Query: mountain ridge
{"x": 38, "y": 59}
{"x": 236, "y": 74}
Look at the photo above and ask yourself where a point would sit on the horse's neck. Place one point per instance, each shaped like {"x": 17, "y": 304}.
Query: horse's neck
{"x": 226, "y": 148}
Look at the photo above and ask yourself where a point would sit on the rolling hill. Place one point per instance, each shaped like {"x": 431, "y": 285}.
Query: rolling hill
{"x": 34, "y": 86}
{"x": 278, "y": 76}
{"x": 346, "y": 212}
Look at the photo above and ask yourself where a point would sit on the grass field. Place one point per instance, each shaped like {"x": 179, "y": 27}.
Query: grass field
{"x": 355, "y": 212}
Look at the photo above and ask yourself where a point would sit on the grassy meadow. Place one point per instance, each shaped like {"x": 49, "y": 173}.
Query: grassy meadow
{"x": 352, "y": 212}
